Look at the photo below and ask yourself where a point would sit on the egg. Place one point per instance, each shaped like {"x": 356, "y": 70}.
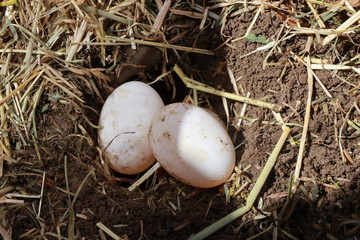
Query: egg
{"x": 125, "y": 120}
{"x": 192, "y": 145}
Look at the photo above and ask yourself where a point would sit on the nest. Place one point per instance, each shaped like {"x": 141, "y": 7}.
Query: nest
{"x": 61, "y": 59}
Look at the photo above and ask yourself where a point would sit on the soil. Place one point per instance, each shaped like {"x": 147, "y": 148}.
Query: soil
{"x": 79, "y": 192}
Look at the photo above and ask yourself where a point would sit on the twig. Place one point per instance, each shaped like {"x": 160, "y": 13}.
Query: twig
{"x": 105, "y": 14}
{"x": 145, "y": 176}
{"x": 78, "y": 36}
{"x": 37, "y": 52}
{"x": 18, "y": 195}
{"x": 334, "y": 67}
{"x": 209, "y": 13}
{"x": 260, "y": 9}
{"x": 187, "y": 13}
{"x": 306, "y": 125}
{"x": 280, "y": 120}
{"x": 190, "y": 83}
{"x": 41, "y": 194}
{"x": 8, "y": 96}
{"x": 29, "y": 48}
{"x": 51, "y": 78}
{"x": 121, "y": 41}
{"x": 304, "y": 30}
{"x": 31, "y": 35}
{"x": 203, "y": 20}
{"x": 11, "y": 201}
{"x": 312, "y": 72}
{"x": 160, "y": 17}
{"x": 317, "y": 17}
{"x": 81, "y": 14}
{"x": 354, "y": 18}
{"x": 345, "y": 121}
{"x": 71, "y": 230}
{"x": 108, "y": 231}
{"x": 242, "y": 113}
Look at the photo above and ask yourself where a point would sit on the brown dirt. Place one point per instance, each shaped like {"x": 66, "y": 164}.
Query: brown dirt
{"x": 322, "y": 161}
{"x": 313, "y": 212}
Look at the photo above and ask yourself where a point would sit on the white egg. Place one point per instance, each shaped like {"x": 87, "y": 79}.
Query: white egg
{"x": 125, "y": 120}
{"x": 192, "y": 145}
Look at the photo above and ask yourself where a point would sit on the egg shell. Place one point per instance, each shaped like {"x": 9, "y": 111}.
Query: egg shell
{"x": 125, "y": 119}
{"x": 192, "y": 145}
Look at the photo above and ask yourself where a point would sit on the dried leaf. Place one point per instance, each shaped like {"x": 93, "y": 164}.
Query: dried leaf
{"x": 97, "y": 72}
{"x": 291, "y": 21}
{"x": 80, "y": 71}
